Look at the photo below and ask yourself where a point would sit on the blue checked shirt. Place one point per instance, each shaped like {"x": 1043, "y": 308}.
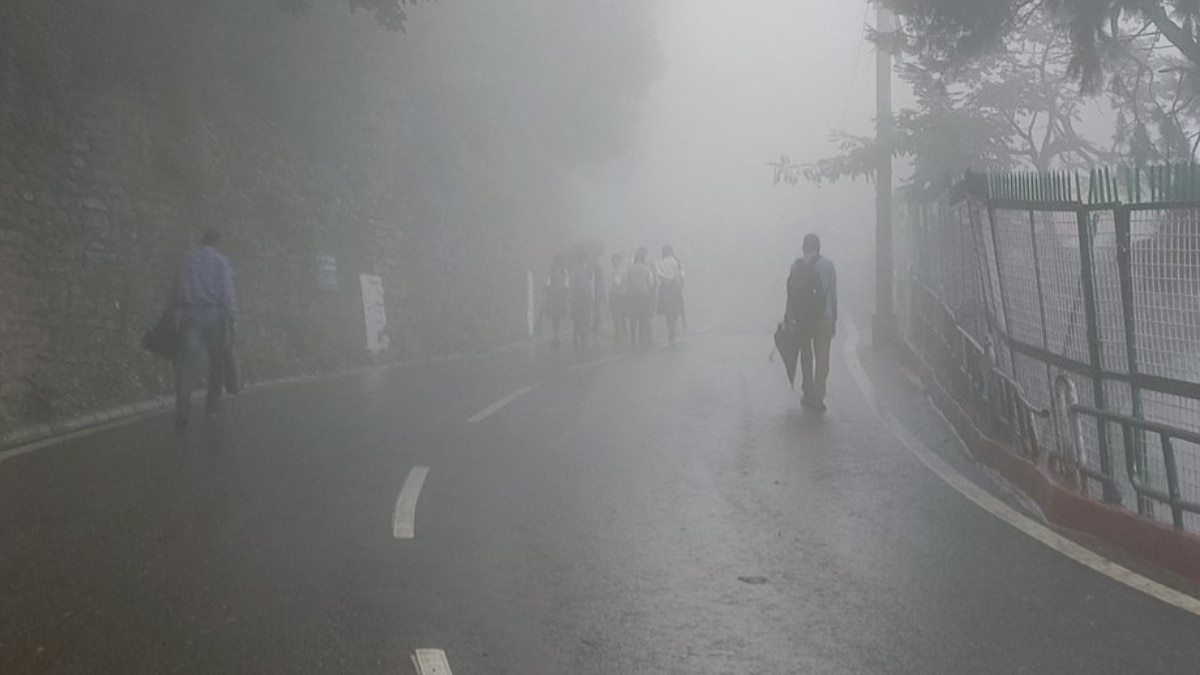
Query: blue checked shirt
{"x": 829, "y": 281}
{"x": 205, "y": 279}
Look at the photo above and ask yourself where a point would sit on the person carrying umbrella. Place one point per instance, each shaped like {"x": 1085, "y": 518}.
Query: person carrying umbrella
{"x": 809, "y": 323}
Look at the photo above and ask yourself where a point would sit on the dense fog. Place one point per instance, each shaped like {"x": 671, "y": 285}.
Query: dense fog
{"x": 739, "y": 88}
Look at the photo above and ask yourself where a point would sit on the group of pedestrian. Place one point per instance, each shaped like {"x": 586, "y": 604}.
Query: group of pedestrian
{"x": 633, "y": 294}
{"x": 202, "y": 305}
{"x": 642, "y": 290}
{"x": 574, "y": 291}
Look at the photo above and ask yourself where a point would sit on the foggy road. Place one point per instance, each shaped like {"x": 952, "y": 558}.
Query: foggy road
{"x": 673, "y": 512}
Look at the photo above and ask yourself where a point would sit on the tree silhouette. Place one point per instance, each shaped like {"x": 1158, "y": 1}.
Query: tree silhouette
{"x": 389, "y": 13}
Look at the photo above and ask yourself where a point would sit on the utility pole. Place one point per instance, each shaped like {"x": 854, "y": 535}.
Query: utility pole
{"x": 884, "y": 324}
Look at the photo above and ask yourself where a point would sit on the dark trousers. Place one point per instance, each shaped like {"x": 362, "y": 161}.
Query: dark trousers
{"x": 581, "y": 328}
{"x": 640, "y": 310}
{"x": 201, "y": 328}
{"x": 672, "y": 322}
{"x": 622, "y": 335}
{"x": 643, "y": 333}
{"x": 556, "y": 332}
{"x": 815, "y": 342}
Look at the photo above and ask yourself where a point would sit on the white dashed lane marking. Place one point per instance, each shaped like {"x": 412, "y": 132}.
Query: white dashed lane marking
{"x": 405, "y": 513}
{"x": 431, "y": 662}
{"x": 598, "y": 362}
{"x": 498, "y": 405}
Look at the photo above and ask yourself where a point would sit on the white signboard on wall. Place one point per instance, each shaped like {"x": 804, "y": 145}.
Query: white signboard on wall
{"x": 327, "y": 272}
{"x": 374, "y": 313}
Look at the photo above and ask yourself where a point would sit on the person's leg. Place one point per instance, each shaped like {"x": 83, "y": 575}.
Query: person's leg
{"x": 671, "y": 322}
{"x": 806, "y": 368}
{"x": 215, "y": 343}
{"x": 190, "y": 342}
{"x": 822, "y": 342}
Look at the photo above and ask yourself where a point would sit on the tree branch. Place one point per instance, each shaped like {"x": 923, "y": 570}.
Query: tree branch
{"x": 1156, "y": 12}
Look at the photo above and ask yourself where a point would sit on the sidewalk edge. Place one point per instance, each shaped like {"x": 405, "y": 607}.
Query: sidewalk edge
{"x": 34, "y": 437}
{"x": 1178, "y": 552}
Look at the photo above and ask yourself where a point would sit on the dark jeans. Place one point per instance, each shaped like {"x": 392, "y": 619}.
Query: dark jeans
{"x": 643, "y": 333}
{"x": 200, "y": 328}
{"x": 815, "y": 342}
{"x": 672, "y": 322}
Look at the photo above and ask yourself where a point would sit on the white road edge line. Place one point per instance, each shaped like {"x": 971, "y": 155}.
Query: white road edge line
{"x": 498, "y": 405}
{"x": 164, "y": 406}
{"x": 405, "y": 512}
{"x": 431, "y": 662}
{"x": 998, "y": 508}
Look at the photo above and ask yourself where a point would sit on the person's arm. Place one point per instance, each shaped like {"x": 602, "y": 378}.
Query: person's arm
{"x": 830, "y": 281}
{"x": 787, "y": 305}
{"x": 228, "y": 302}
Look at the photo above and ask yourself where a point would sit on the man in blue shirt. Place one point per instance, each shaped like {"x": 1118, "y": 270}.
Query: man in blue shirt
{"x": 204, "y": 303}
{"x": 812, "y": 313}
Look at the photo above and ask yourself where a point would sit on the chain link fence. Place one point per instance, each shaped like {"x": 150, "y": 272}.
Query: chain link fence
{"x": 1018, "y": 282}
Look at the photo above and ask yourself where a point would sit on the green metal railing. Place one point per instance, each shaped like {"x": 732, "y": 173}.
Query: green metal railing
{"x": 1061, "y": 186}
{"x": 1068, "y": 405}
{"x": 995, "y": 397}
{"x": 1081, "y": 275}
{"x": 1128, "y": 185}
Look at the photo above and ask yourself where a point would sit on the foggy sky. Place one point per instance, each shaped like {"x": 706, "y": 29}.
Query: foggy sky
{"x": 743, "y": 83}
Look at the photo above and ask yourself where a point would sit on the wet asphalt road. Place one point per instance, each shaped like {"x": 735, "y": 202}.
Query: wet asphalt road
{"x": 670, "y": 513}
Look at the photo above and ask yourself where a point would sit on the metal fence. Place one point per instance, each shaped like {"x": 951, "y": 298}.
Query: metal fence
{"x": 1023, "y": 287}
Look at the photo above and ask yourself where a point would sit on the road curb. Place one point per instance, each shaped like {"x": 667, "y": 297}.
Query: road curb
{"x": 17, "y": 442}
{"x": 1154, "y": 542}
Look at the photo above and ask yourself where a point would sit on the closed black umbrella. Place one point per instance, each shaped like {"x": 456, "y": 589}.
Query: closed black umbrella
{"x": 787, "y": 342}
{"x": 232, "y": 375}
{"x": 163, "y": 339}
